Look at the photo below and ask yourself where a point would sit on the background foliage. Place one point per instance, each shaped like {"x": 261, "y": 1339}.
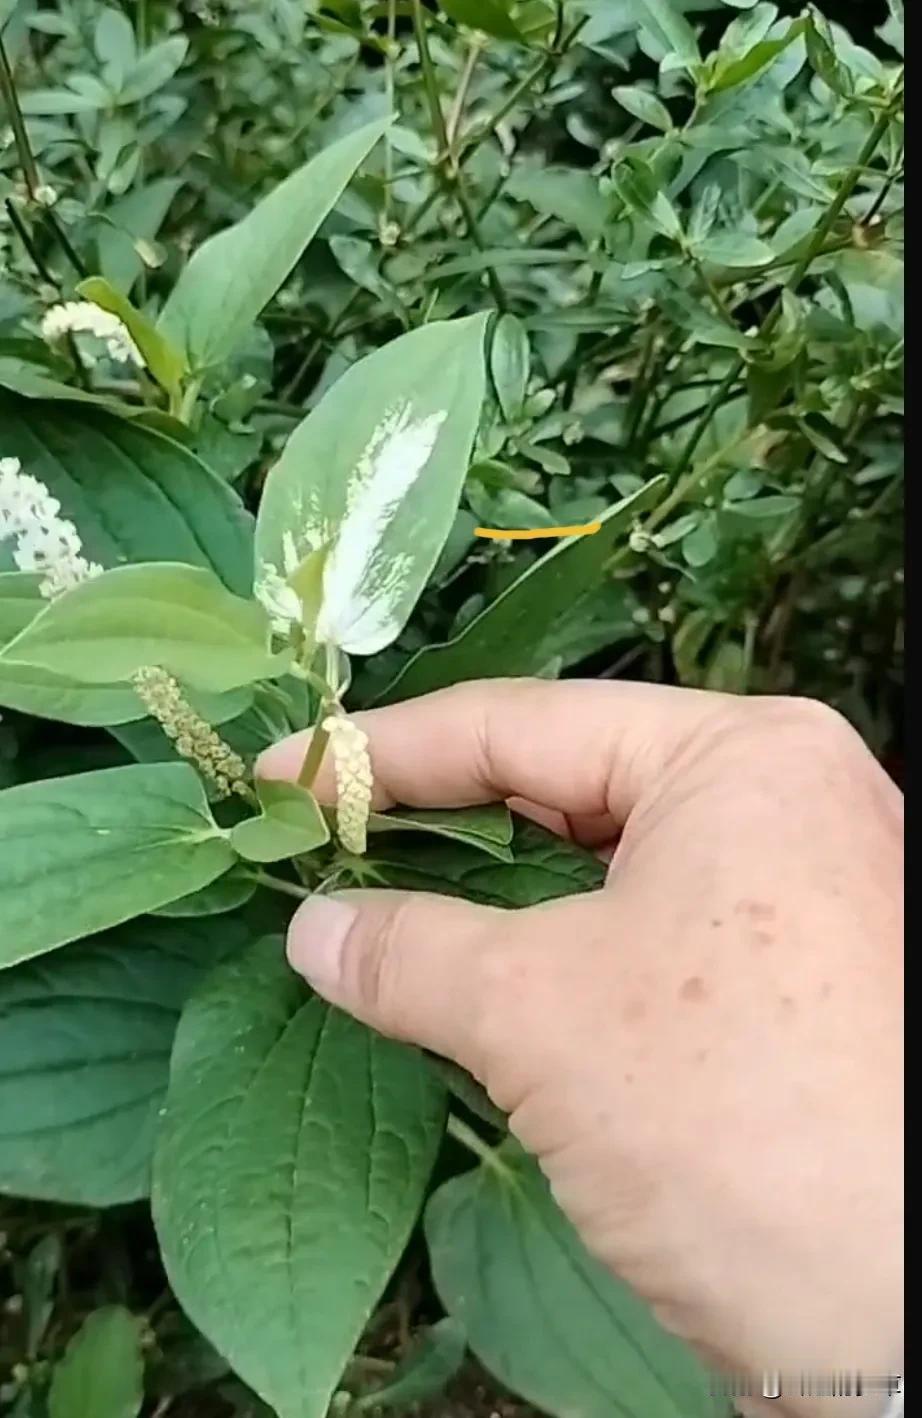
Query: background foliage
{"x": 705, "y": 288}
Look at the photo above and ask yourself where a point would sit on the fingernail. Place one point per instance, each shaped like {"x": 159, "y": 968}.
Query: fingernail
{"x": 316, "y": 937}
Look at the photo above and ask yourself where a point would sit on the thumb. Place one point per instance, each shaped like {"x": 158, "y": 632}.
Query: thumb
{"x": 419, "y": 967}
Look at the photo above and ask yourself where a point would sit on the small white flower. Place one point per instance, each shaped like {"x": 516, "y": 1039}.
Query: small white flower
{"x": 45, "y": 541}
{"x": 81, "y": 317}
{"x": 354, "y": 781}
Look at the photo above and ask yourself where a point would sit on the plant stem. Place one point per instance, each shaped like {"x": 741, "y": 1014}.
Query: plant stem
{"x": 24, "y": 235}
{"x": 278, "y": 883}
{"x": 17, "y": 123}
{"x": 474, "y": 1143}
{"x": 450, "y": 179}
{"x": 822, "y": 230}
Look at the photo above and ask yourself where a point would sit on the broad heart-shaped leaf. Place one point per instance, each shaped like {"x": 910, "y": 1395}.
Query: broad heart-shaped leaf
{"x": 543, "y": 868}
{"x": 81, "y": 854}
{"x": 370, "y": 482}
{"x": 178, "y": 617}
{"x": 133, "y": 494}
{"x": 489, "y": 827}
{"x": 291, "y": 1164}
{"x": 545, "y": 1317}
{"x": 235, "y": 273}
{"x": 102, "y": 1372}
{"x": 506, "y": 638}
{"x": 290, "y": 823}
{"x": 39, "y": 692}
{"x": 85, "y": 1040}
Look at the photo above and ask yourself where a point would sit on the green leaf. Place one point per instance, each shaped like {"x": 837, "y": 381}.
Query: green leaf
{"x": 543, "y": 868}
{"x": 565, "y": 193}
{"x": 133, "y": 494}
{"x": 700, "y": 546}
{"x": 666, "y": 24}
{"x": 114, "y": 43}
{"x": 510, "y": 362}
{"x": 235, "y": 273}
{"x": 506, "y": 638}
{"x": 83, "y": 853}
{"x": 231, "y": 890}
{"x": 165, "y": 363}
{"x": 291, "y": 822}
{"x": 319, "y": 1142}
{"x": 738, "y": 71}
{"x": 490, "y": 16}
{"x": 643, "y": 105}
{"x": 368, "y": 485}
{"x": 153, "y": 69}
{"x": 640, "y": 191}
{"x": 85, "y": 1040}
{"x": 177, "y": 617}
{"x": 731, "y": 248}
{"x": 102, "y": 1372}
{"x": 45, "y": 102}
{"x": 541, "y": 1314}
{"x": 489, "y": 827}
{"x": 431, "y": 1365}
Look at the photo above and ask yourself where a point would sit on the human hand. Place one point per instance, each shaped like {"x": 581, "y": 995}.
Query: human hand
{"x": 705, "y": 1056}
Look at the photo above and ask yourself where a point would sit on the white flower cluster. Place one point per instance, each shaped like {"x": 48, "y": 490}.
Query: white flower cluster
{"x": 352, "y": 768}
{"x": 81, "y": 317}
{"x": 46, "y": 542}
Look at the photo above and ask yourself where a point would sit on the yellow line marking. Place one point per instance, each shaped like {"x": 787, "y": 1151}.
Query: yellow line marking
{"x": 585, "y": 530}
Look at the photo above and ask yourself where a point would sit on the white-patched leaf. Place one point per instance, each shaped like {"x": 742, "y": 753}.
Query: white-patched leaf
{"x": 363, "y": 498}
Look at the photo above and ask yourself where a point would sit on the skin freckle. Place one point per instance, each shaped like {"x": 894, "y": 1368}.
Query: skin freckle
{"x": 787, "y": 1004}
{"x": 762, "y": 911}
{"x": 694, "y": 989}
{"x": 634, "y": 1011}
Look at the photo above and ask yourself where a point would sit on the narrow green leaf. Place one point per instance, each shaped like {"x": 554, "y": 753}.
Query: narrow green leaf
{"x": 739, "y": 71}
{"x": 319, "y": 1144}
{"x": 71, "y": 851}
{"x": 639, "y": 190}
{"x": 510, "y": 362}
{"x": 153, "y": 69}
{"x": 667, "y": 25}
{"x": 565, "y": 193}
{"x": 177, "y": 617}
{"x": 488, "y": 828}
{"x": 234, "y": 274}
{"x": 643, "y": 105}
{"x": 290, "y": 823}
{"x": 427, "y": 1369}
{"x": 102, "y": 1372}
{"x": 729, "y": 248}
{"x": 372, "y": 477}
{"x": 506, "y": 637}
{"x": 490, "y": 16}
{"x": 164, "y": 362}
{"x": 547, "y": 1319}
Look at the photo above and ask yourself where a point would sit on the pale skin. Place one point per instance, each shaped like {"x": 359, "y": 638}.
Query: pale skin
{"x": 705, "y": 1055}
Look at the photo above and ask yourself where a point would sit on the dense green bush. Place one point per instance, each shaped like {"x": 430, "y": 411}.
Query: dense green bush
{"x": 636, "y": 262}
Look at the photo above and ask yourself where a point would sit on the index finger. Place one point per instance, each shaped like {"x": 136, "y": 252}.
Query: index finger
{"x": 585, "y": 747}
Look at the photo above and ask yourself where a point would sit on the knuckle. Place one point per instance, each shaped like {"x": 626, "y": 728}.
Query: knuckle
{"x": 809, "y": 724}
